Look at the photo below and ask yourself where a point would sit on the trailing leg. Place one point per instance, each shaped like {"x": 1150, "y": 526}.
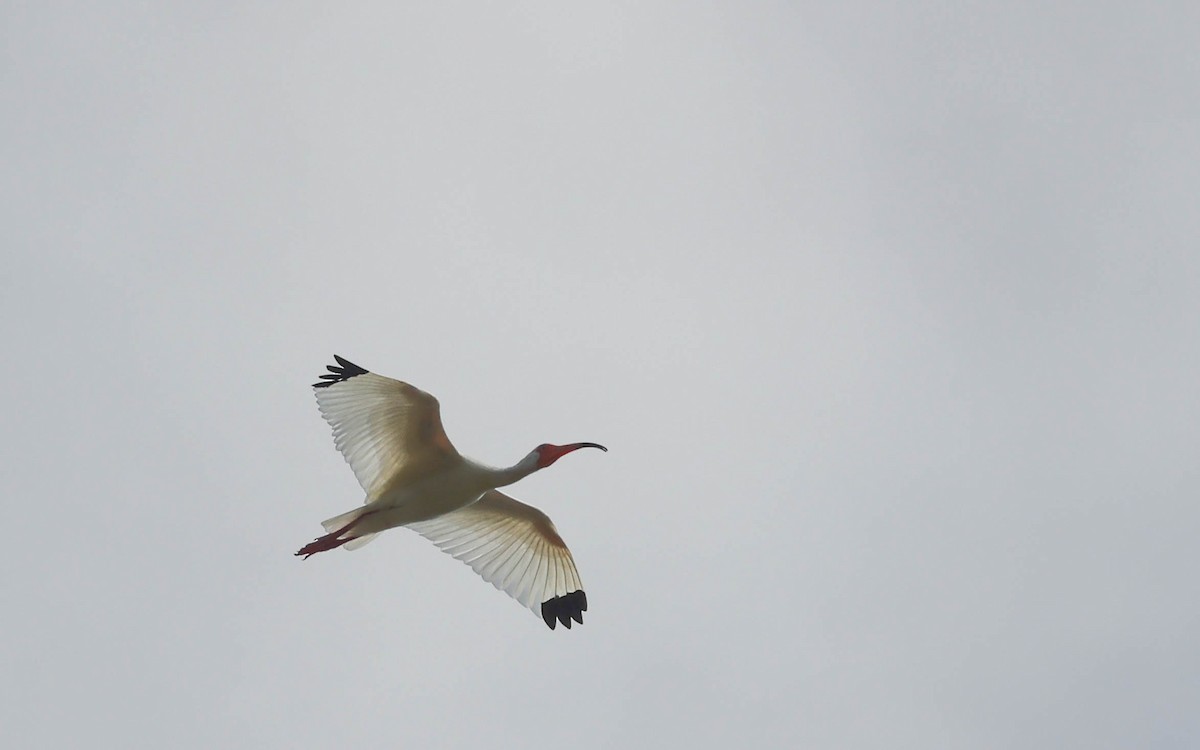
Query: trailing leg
{"x": 328, "y": 541}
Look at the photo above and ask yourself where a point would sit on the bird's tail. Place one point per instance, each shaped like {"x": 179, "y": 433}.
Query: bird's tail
{"x": 346, "y": 519}
{"x": 343, "y": 521}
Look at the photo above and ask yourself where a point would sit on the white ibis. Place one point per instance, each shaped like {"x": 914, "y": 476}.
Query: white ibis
{"x": 391, "y": 435}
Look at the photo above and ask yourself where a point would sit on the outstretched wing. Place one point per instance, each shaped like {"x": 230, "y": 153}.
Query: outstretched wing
{"x": 386, "y": 429}
{"x": 516, "y": 548}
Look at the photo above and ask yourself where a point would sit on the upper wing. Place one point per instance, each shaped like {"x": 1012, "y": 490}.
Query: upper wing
{"x": 386, "y": 429}
{"x": 516, "y": 548}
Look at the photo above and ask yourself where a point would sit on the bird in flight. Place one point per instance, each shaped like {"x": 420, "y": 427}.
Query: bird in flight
{"x": 391, "y": 434}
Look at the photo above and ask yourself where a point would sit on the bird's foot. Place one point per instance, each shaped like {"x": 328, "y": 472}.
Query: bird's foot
{"x": 322, "y": 544}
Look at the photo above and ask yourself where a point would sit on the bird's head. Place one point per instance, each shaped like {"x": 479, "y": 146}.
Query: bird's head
{"x": 548, "y": 453}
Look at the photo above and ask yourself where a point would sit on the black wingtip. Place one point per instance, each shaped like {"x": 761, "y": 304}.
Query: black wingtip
{"x": 338, "y": 374}
{"x": 564, "y": 609}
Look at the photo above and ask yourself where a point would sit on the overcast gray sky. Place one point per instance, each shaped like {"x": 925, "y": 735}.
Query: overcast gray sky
{"x": 888, "y": 314}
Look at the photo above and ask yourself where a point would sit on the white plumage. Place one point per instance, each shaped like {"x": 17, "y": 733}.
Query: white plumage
{"x": 391, "y": 434}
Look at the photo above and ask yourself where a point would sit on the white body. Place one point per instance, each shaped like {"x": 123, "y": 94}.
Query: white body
{"x": 426, "y": 497}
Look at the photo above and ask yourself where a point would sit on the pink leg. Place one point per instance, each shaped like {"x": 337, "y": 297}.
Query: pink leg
{"x": 328, "y": 541}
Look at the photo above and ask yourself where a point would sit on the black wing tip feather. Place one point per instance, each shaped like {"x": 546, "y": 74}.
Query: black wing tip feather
{"x": 564, "y": 609}
{"x": 338, "y": 374}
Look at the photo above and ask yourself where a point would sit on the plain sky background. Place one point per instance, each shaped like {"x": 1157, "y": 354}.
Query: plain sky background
{"x": 888, "y": 314}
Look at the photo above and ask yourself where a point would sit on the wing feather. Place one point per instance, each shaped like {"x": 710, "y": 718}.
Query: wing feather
{"x": 387, "y": 430}
{"x": 516, "y": 548}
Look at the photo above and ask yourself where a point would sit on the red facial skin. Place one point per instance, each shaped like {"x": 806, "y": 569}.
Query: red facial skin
{"x": 548, "y": 453}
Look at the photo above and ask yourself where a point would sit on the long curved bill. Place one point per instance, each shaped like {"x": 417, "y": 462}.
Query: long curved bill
{"x": 576, "y": 446}
{"x": 552, "y": 453}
